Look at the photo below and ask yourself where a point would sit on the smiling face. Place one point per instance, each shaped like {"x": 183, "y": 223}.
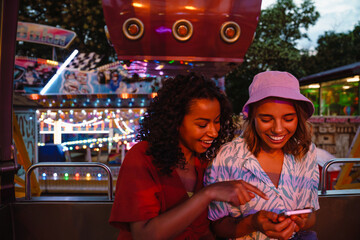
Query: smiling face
{"x": 275, "y": 122}
{"x": 200, "y": 126}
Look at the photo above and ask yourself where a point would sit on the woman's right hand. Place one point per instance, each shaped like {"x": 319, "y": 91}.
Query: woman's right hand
{"x": 236, "y": 192}
{"x": 267, "y": 223}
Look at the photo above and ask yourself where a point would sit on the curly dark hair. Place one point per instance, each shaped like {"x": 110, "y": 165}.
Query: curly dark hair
{"x": 166, "y": 112}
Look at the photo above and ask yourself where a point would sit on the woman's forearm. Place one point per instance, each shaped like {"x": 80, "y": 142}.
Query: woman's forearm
{"x": 173, "y": 222}
{"x": 229, "y": 227}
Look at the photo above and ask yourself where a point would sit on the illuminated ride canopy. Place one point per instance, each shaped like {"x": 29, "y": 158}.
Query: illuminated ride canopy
{"x": 209, "y": 34}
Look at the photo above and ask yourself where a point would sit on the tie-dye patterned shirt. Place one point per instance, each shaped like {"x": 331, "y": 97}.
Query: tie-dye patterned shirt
{"x": 297, "y": 188}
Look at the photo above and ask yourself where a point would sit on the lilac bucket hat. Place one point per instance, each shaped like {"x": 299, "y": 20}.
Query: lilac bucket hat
{"x": 276, "y": 84}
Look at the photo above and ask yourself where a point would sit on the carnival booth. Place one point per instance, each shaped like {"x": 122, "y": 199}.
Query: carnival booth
{"x": 88, "y": 116}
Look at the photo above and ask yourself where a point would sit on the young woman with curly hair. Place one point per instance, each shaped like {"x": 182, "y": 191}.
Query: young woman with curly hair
{"x": 159, "y": 191}
{"x": 275, "y": 154}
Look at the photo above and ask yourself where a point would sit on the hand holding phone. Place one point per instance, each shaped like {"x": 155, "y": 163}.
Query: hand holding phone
{"x": 290, "y": 213}
{"x": 297, "y": 212}
{"x": 299, "y": 219}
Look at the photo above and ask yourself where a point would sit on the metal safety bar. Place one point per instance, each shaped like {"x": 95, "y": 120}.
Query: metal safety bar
{"x": 323, "y": 183}
{"x": 67, "y": 164}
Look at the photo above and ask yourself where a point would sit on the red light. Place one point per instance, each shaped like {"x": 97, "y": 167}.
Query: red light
{"x": 230, "y": 32}
{"x": 133, "y": 29}
{"x": 182, "y": 30}
{"x": 41, "y": 61}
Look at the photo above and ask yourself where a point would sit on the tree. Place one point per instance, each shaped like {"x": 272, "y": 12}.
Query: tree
{"x": 274, "y": 46}
{"x": 333, "y": 50}
{"x": 84, "y": 17}
{"x": 356, "y": 41}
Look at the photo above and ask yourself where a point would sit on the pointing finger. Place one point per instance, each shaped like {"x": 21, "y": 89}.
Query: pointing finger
{"x": 254, "y": 189}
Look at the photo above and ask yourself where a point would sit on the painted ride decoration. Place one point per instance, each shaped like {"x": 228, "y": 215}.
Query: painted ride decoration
{"x": 114, "y": 78}
{"x": 43, "y": 34}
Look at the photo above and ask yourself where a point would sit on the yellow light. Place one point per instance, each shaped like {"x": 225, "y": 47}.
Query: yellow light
{"x": 124, "y": 95}
{"x": 353, "y": 79}
{"x": 51, "y": 62}
{"x": 190, "y": 7}
{"x": 138, "y": 5}
{"x": 159, "y": 67}
{"x": 314, "y": 86}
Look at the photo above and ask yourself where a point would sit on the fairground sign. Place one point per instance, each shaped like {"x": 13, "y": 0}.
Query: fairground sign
{"x": 37, "y": 33}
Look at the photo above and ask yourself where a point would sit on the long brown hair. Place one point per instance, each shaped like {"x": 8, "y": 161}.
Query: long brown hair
{"x": 298, "y": 145}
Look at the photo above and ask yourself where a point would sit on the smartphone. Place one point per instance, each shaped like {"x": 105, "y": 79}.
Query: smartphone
{"x": 297, "y": 212}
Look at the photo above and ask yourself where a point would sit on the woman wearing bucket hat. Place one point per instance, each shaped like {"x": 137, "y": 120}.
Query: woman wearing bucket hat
{"x": 275, "y": 154}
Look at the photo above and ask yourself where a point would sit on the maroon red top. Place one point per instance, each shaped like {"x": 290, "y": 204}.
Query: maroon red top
{"x": 142, "y": 192}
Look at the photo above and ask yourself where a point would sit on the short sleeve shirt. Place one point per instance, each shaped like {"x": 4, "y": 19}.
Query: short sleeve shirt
{"x": 142, "y": 193}
{"x": 297, "y": 188}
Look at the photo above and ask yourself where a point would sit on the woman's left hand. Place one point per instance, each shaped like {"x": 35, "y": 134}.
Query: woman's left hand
{"x": 269, "y": 224}
{"x": 300, "y": 220}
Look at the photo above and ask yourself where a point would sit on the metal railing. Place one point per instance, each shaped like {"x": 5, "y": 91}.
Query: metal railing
{"x": 67, "y": 164}
{"x": 323, "y": 184}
